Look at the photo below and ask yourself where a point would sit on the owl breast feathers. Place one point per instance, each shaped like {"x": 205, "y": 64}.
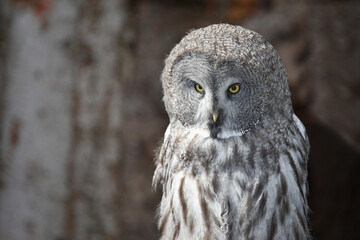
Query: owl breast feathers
{"x": 233, "y": 164}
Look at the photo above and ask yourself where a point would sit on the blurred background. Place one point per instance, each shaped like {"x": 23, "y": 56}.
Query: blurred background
{"x": 81, "y": 112}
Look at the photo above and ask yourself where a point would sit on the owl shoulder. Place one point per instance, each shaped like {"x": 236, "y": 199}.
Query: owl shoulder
{"x": 299, "y": 125}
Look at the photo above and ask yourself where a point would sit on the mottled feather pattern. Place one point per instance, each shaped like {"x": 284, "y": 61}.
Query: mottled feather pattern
{"x": 233, "y": 165}
{"x": 224, "y": 187}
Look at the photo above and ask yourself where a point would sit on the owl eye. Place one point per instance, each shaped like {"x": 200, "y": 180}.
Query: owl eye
{"x": 199, "y": 88}
{"x": 234, "y": 88}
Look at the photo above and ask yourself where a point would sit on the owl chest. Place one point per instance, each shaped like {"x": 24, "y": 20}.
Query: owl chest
{"x": 225, "y": 205}
{"x": 231, "y": 191}
{"x": 198, "y": 207}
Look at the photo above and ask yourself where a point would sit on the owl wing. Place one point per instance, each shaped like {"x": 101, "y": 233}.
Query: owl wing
{"x": 300, "y": 126}
{"x": 160, "y": 159}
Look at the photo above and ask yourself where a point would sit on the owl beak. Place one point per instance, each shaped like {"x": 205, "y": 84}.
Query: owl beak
{"x": 215, "y": 116}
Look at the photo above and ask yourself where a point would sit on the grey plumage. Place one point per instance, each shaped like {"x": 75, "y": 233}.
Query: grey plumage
{"x": 234, "y": 157}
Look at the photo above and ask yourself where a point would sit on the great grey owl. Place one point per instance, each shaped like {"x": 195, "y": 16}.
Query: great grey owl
{"x": 233, "y": 163}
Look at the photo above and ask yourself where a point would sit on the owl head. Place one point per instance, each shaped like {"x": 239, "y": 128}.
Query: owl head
{"x": 224, "y": 81}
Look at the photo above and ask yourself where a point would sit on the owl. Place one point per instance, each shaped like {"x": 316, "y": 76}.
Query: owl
{"x": 233, "y": 162}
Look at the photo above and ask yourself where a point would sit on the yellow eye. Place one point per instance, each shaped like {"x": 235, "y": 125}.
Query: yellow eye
{"x": 234, "y": 88}
{"x": 199, "y": 88}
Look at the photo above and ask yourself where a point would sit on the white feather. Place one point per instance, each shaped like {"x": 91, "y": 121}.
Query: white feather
{"x": 299, "y": 125}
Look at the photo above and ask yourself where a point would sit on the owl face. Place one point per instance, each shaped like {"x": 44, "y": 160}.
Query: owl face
{"x": 219, "y": 99}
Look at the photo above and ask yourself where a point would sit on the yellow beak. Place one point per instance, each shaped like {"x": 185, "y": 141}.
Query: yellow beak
{"x": 215, "y": 116}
